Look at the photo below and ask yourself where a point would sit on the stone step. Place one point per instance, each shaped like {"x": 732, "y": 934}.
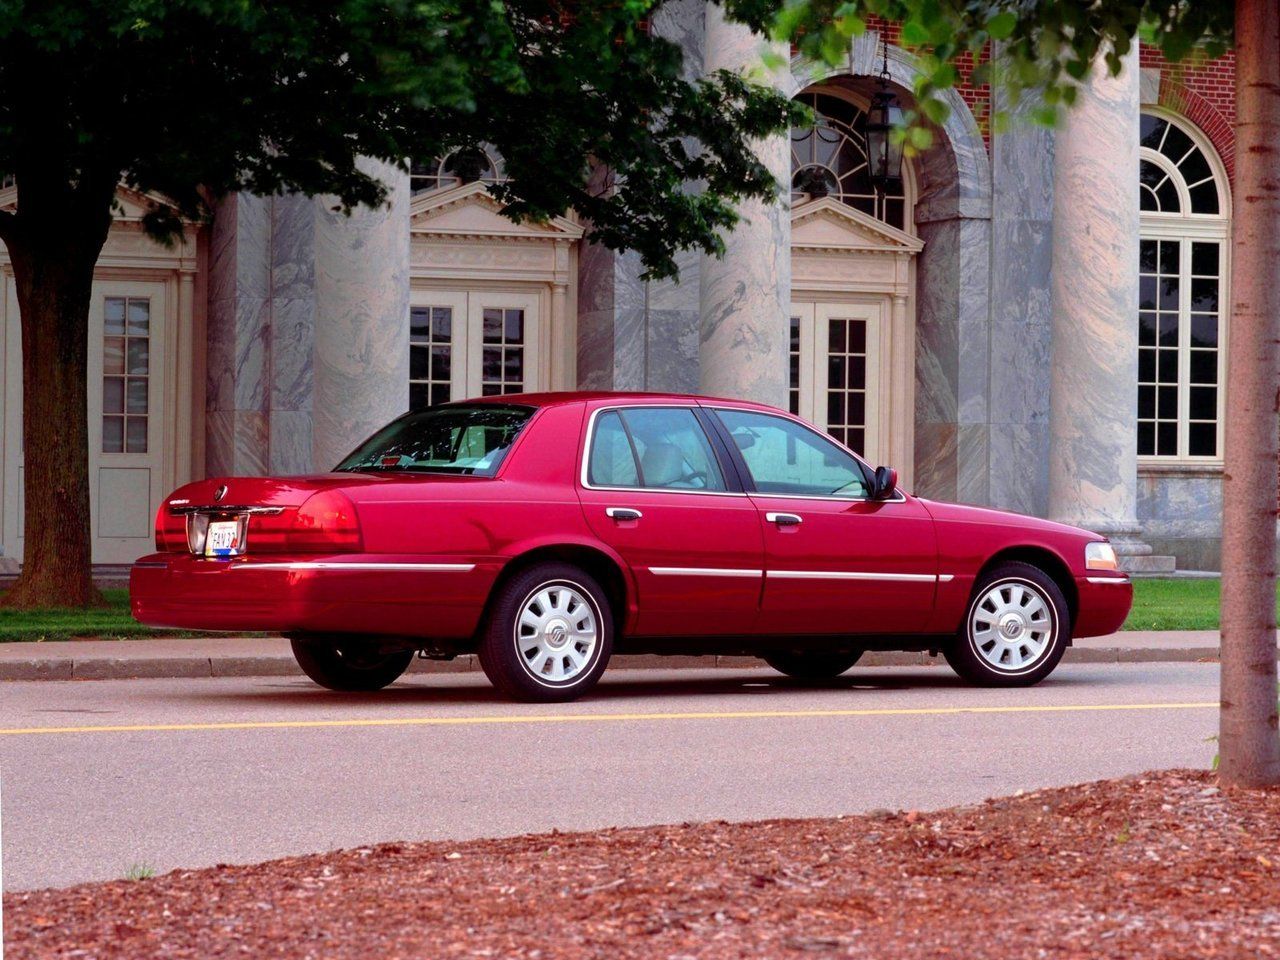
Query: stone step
{"x": 1149, "y": 564}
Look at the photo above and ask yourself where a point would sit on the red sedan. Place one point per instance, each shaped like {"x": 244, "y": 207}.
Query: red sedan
{"x": 544, "y": 532}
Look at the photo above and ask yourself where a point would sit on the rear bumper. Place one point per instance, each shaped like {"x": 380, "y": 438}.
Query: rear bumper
{"x": 1104, "y": 605}
{"x": 415, "y": 596}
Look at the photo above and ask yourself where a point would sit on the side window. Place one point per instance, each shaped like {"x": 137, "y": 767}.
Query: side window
{"x": 786, "y": 458}
{"x": 612, "y": 463}
{"x": 673, "y": 450}
{"x": 660, "y": 448}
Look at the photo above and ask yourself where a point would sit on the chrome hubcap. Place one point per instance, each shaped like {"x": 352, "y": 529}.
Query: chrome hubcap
{"x": 1011, "y": 626}
{"x": 557, "y": 633}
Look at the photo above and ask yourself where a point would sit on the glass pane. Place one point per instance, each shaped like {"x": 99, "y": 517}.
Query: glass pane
{"x": 1146, "y": 403}
{"x": 612, "y": 462}
{"x": 1194, "y": 169}
{"x": 1166, "y": 439}
{"x": 835, "y": 409}
{"x": 138, "y": 356}
{"x": 113, "y": 434}
{"x": 1204, "y": 295}
{"x": 1167, "y": 403}
{"x": 784, "y": 457}
{"x": 419, "y": 362}
{"x": 1168, "y": 366}
{"x": 1146, "y": 439}
{"x": 1202, "y": 440}
{"x": 1146, "y": 293}
{"x": 113, "y": 316}
{"x": 441, "y": 363}
{"x": 835, "y": 372}
{"x": 491, "y": 364}
{"x": 857, "y": 373}
{"x": 1147, "y": 329}
{"x": 1204, "y": 366}
{"x": 136, "y": 435}
{"x": 113, "y": 395}
{"x": 513, "y": 328}
{"x": 1176, "y": 144}
{"x": 492, "y": 326}
{"x": 1146, "y": 365}
{"x": 137, "y": 397}
{"x": 1168, "y": 329}
{"x": 1204, "y": 259}
{"x": 441, "y": 323}
{"x": 1169, "y": 292}
{"x": 419, "y": 396}
{"x": 673, "y": 449}
{"x": 1204, "y": 403}
{"x": 440, "y": 393}
{"x": 1152, "y": 131}
{"x": 836, "y": 336}
{"x": 1169, "y": 257}
{"x": 462, "y": 439}
{"x": 857, "y": 408}
{"x": 139, "y": 318}
{"x": 857, "y": 336}
{"x": 1204, "y": 330}
{"x": 113, "y": 355}
{"x": 419, "y": 326}
{"x": 513, "y": 365}
{"x": 1147, "y": 256}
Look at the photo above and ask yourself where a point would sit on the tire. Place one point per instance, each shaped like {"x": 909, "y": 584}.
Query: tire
{"x": 811, "y": 665}
{"x": 548, "y": 635}
{"x": 1015, "y": 628}
{"x": 349, "y": 664}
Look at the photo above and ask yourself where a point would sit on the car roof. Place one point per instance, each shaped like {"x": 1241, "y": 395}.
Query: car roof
{"x": 552, "y": 399}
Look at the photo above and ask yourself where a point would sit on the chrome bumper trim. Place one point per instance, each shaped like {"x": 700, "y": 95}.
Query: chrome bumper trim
{"x": 1116, "y": 580}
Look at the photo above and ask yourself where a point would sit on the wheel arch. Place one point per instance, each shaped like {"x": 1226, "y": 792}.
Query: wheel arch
{"x": 602, "y": 564}
{"x": 1044, "y": 559}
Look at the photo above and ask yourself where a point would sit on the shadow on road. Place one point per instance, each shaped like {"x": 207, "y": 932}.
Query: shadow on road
{"x": 864, "y": 686}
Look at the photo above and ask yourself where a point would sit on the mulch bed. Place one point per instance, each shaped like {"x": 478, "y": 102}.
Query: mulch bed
{"x": 1163, "y": 865}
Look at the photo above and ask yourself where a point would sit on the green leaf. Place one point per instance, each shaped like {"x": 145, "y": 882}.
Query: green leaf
{"x": 1001, "y": 25}
{"x": 914, "y": 34}
{"x": 936, "y": 110}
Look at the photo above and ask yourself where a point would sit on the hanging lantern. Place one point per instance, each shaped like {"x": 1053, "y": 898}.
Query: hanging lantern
{"x": 883, "y": 155}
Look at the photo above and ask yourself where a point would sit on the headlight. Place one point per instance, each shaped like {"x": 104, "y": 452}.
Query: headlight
{"x": 1100, "y": 556}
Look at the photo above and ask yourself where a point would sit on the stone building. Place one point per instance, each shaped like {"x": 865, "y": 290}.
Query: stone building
{"x": 1032, "y": 319}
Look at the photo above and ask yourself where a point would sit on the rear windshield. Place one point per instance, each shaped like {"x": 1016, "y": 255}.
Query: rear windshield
{"x": 463, "y": 440}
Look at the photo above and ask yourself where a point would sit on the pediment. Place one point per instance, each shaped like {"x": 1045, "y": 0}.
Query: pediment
{"x": 131, "y": 205}
{"x": 469, "y": 210}
{"x": 828, "y": 224}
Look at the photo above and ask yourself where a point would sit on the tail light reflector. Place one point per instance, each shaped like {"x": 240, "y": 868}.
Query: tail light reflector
{"x": 325, "y": 523}
{"x": 171, "y": 531}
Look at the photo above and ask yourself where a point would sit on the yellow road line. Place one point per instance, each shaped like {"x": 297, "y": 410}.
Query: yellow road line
{"x": 524, "y": 718}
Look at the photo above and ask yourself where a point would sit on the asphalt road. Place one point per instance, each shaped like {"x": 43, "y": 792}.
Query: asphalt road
{"x": 190, "y": 773}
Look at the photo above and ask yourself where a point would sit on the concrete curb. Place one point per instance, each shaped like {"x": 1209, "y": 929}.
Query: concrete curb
{"x": 283, "y": 665}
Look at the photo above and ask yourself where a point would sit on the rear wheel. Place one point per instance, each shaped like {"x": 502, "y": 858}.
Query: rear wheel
{"x": 1015, "y": 631}
{"x": 811, "y": 665}
{"x": 549, "y": 634}
{"x": 348, "y": 663}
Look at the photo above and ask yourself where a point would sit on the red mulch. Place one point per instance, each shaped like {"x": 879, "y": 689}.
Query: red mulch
{"x": 1164, "y": 865}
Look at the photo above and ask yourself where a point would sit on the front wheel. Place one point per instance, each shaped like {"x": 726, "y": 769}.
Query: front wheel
{"x": 811, "y": 665}
{"x": 349, "y": 664}
{"x": 548, "y": 635}
{"x": 1015, "y": 631}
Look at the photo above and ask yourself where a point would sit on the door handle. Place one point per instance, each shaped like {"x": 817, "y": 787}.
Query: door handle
{"x": 784, "y": 519}
{"x": 622, "y": 513}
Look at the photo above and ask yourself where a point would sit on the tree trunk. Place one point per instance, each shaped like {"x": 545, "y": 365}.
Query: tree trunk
{"x": 53, "y": 274}
{"x": 1249, "y": 739}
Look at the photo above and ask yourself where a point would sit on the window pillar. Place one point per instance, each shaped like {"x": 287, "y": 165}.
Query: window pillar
{"x": 1093, "y": 419}
{"x": 745, "y": 296}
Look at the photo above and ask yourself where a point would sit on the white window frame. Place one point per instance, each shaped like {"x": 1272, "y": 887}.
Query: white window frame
{"x": 1188, "y": 227}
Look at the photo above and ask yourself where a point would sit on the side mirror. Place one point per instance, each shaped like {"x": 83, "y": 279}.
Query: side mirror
{"x": 886, "y": 482}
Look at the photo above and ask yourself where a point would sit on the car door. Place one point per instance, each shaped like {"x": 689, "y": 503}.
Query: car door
{"x": 835, "y": 561}
{"x": 655, "y": 488}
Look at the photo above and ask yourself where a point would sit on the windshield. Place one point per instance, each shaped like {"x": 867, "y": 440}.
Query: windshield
{"x": 450, "y": 439}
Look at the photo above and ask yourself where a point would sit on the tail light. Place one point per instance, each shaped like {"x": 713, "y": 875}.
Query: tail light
{"x": 325, "y": 523}
{"x": 171, "y": 531}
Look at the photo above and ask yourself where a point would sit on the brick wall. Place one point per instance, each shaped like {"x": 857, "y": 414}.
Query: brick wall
{"x": 1204, "y": 93}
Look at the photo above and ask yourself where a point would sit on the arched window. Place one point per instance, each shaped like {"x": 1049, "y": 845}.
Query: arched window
{"x": 465, "y": 165}
{"x": 1182, "y": 300}
{"x": 829, "y": 159}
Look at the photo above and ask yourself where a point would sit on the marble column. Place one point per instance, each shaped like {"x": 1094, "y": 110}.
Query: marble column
{"x": 307, "y": 334}
{"x": 362, "y": 328}
{"x": 745, "y": 296}
{"x": 636, "y": 334}
{"x": 1092, "y": 401}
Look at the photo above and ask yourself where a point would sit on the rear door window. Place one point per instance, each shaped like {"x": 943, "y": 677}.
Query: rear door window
{"x": 655, "y": 448}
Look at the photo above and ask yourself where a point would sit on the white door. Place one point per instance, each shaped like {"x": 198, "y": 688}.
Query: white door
{"x": 837, "y": 372}
{"x": 473, "y": 343}
{"x": 126, "y": 386}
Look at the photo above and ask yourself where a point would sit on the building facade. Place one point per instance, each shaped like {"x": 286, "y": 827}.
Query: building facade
{"x": 1032, "y": 319}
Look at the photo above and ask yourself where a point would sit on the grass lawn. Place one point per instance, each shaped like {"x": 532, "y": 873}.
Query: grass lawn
{"x": 1180, "y": 604}
{"x": 111, "y": 622}
{"x": 1157, "y": 605}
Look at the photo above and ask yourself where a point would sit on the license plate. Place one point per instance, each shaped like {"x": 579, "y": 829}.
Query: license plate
{"x": 223, "y": 539}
